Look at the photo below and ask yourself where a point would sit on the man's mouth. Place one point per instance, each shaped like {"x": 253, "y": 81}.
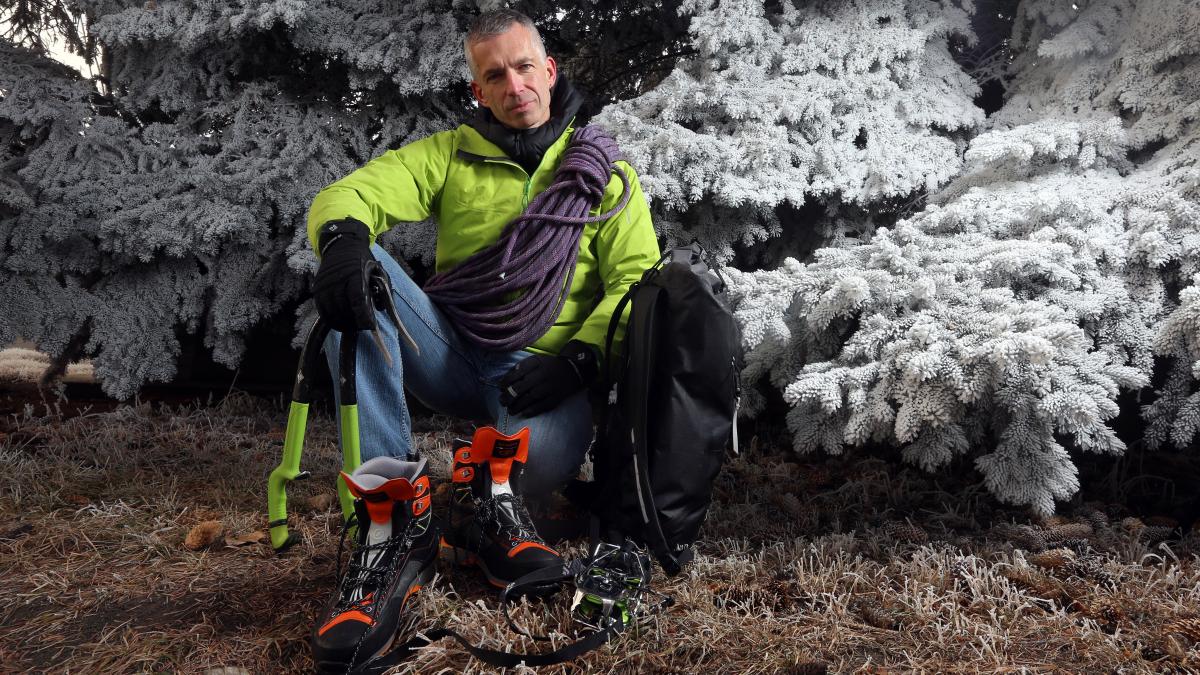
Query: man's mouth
{"x": 521, "y": 107}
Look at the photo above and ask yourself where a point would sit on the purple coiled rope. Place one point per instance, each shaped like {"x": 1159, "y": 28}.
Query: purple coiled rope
{"x": 534, "y": 259}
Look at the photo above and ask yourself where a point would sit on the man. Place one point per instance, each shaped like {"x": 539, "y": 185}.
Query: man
{"x": 474, "y": 181}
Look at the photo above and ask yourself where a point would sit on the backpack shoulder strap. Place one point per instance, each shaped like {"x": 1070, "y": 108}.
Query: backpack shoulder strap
{"x": 643, "y": 340}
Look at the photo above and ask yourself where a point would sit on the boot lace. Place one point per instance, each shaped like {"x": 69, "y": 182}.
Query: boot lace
{"x": 364, "y": 574}
{"x": 508, "y": 515}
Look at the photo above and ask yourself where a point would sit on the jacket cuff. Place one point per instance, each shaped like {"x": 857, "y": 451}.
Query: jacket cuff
{"x": 347, "y": 228}
{"x": 584, "y": 358}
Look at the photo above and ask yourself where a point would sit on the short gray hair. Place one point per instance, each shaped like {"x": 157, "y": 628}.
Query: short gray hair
{"x": 498, "y": 22}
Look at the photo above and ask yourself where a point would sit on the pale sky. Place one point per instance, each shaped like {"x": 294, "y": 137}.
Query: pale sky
{"x": 58, "y": 51}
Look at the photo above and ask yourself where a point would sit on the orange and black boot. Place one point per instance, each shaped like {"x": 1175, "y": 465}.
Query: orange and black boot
{"x": 498, "y": 536}
{"x": 394, "y": 554}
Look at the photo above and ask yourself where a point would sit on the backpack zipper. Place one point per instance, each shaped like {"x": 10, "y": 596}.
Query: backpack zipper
{"x": 737, "y": 401}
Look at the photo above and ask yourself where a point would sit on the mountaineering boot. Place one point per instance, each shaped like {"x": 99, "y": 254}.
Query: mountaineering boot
{"x": 499, "y": 536}
{"x": 394, "y": 554}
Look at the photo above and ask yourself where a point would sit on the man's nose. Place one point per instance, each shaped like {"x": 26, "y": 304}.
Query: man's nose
{"x": 513, "y": 82}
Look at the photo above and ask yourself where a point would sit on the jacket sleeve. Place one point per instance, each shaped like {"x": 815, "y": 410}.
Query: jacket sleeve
{"x": 398, "y": 186}
{"x": 626, "y": 246}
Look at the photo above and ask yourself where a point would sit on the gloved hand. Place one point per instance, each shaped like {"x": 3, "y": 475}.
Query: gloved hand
{"x": 341, "y": 291}
{"x": 542, "y": 381}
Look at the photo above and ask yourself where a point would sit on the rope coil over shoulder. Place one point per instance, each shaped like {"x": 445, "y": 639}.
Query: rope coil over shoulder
{"x": 506, "y": 296}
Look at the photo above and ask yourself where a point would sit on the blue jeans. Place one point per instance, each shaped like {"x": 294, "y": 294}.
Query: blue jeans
{"x": 453, "y": 377}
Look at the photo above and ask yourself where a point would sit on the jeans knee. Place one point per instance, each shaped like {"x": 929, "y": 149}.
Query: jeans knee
{"x": 558, "y": 444}
{"x": 543, "y": 477}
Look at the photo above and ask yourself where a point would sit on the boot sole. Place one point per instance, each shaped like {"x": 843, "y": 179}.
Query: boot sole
{"x": 462, "y": 557}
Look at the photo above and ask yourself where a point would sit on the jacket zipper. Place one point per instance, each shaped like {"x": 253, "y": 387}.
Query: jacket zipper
{"x": 509, "y": 162}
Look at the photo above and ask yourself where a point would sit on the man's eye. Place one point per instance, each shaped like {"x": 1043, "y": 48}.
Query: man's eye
{"x": 526, "y": 67}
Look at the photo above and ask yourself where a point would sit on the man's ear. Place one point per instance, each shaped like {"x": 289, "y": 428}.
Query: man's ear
{"x": 552, "y": 68}
{"x": 477, "y": 92}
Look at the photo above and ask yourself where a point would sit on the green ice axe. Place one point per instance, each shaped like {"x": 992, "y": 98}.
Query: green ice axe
{"x": 302, "y": 396}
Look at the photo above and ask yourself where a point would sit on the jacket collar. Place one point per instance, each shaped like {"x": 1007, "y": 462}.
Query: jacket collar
{"x": 476, "y": 147}
{"x": 528, "y": 146}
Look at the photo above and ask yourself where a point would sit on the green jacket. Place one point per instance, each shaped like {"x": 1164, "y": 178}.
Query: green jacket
{"x": 473, "y": 190}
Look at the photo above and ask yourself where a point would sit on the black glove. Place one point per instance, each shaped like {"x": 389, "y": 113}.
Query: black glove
{"x": 540, "y": 382}
{"x": 341, "y": 291}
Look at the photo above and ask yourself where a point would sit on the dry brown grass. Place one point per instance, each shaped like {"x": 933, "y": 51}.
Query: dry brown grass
{"x": 854, "y": 566}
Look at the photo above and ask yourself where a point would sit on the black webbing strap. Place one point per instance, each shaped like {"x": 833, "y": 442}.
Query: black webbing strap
{"x": 615, "y": 321}
{"x": 601, "y": 459}
{"x": 493, "y": 657}
{"x": 554, "y": 574}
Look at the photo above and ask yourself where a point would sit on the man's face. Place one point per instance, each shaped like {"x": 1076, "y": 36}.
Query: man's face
{"x": 512, "y": 79}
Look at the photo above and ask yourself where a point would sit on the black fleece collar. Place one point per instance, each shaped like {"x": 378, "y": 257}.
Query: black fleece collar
{"x": 526, "y": 146}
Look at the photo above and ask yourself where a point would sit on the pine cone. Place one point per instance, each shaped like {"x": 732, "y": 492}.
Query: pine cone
{"x": 1053, "y": 559}
{"x": 817, "y": 475}
{"x": 1068, "y": 531}
{"x": 1026, "y": 537}
{"x": 1188, "y": 628}
{"x": 787, "y": 503}
{"x": 1132, "y": 525}
{"x": 874, "y": 614}
{"x": 1089, "y": 567}
{"x": 1152, "y": 653}
{"x": 960, "y": 571}
{"x": 1038, "y": 584}
{"x": 1080, "y": 546}
{"x": 1156, "y": 533}
{"x": 905, "y": 531}
{"x": 1097, "y": 519}
{"x": 1105, "y": 611}
{"x": 1162, "y": 521}
{"x": 879, "y": 618}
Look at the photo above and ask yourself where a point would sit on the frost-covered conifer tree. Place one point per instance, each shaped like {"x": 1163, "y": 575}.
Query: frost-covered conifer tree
{"x": 1136, "y": 65}
{"x": 173, "y": 199}
{"x": 1010, "y": 313}
{"x": 847, "y": 103}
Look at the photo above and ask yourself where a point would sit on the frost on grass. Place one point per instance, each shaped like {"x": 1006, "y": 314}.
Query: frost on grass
{"x": 840, "y": 564}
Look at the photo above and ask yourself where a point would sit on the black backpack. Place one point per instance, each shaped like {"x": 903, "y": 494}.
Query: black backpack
{"x": 662, "y": 442}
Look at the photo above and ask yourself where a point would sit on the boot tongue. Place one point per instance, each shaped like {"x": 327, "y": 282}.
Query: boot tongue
{"x": 505, "y": 506}
{"x": 378, "y": 533}
{"x": 368, "y": 558}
